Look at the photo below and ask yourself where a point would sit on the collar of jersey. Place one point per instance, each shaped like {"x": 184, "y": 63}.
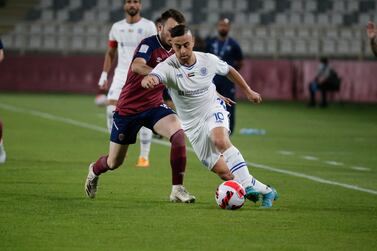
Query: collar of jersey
{"x": 190, "y": 66}
{"x": 159, "y": 41}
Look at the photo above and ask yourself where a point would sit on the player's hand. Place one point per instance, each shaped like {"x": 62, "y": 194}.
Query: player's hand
{"x": 254, "y": 97}
{"x": 371, "y": 30}
{"x": 149, "y": 81}
{"x": 228, "y": 101}
{"x": 103, "y": 83}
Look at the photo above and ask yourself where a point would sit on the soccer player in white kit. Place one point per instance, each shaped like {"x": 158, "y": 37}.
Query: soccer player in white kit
{"x": 124, "y": 37}
{"x": 188, "y": 76}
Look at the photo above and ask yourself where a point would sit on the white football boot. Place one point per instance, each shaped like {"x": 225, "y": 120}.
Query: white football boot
{"x": 91, "y": 183}
{"x": 179, "y": 194}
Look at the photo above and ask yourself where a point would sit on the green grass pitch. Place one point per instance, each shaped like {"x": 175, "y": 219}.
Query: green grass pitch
{"x": 51, "y": 139}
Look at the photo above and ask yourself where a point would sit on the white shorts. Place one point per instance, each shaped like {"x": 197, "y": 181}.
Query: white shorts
{"x": 200, "y": 136}
{"x": 116, "y": 86}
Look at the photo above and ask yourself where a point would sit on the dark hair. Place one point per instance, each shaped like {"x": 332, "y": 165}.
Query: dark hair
{"x": 175, "y": 14}
{"x": 324, "y": 60}
{"x": 158, "y": 20}
{"x": 179, "y": 30}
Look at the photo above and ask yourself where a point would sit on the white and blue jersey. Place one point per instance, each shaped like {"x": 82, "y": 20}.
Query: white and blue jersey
{"x": 196, "y": 100}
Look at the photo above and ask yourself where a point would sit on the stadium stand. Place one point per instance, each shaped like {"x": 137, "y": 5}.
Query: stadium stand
{"x": 268, "y": 28}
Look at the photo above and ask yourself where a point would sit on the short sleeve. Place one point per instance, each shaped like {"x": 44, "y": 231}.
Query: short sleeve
{"x": 151, "y": 30}
{"x": 221, "y": 67}
{"x": 112, "y": 39}
{"x": 144, "y": 50}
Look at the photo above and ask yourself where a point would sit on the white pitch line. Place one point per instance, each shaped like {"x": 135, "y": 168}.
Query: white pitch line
{"x": 52, "y": 117}
{"x": 334, "y": 163}
{"x": 309, "y": 157}
{"x": 283, "y": 152}
{"x": 360, "y": 168}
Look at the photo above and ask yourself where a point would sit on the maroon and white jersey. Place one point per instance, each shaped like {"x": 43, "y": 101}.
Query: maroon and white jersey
{"x": 134, "y": 98}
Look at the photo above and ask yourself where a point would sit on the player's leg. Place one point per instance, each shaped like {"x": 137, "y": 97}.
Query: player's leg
{"x": 113, "y": 96}
{"x": 170, "y": 127}
{"x": 110, "y": 108}
{"x": 313, "y": 86}
{"x": 145, "y": 146}
{"x": 124, "y": 133}
{"x": 2, "y": 151}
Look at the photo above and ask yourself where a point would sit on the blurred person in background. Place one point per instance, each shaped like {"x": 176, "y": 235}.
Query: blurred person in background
{"x": 372, "y": 35}
{"x": 228, "y": 50}
{"x": 325, "y": 80}
{"x": 124, "y": 37}
{"x": 2, "y": 151}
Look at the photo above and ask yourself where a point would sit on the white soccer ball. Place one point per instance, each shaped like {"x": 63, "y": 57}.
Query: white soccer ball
{"x": 230, "y": 195}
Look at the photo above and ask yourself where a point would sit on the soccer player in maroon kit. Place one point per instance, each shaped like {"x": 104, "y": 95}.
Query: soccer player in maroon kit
{"x": 139, "y": 107}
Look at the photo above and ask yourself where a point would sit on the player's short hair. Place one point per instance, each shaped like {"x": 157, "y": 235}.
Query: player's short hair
{"x": 179, "y": 30}
{"x": 175, "y": 14}
{"x": 124, "y": 2}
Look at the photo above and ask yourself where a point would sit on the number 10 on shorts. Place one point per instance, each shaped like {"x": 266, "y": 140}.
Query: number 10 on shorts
{"x": 219, "y": 116}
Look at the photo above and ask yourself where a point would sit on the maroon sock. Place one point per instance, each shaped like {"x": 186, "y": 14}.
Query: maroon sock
{"x": 101, "y": 166}
{"x": 178, "y": 157}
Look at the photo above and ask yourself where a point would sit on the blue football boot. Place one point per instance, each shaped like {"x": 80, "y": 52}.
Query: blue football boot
{"x": 251, "y": 194}
{"x": 267, "y": 199}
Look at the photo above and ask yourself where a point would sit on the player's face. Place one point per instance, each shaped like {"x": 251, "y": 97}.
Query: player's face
{"x": 165, "y": 30}
{"x": 132, "y": 7}
{"x": 223, "y": 28}
{"x": 183, "y": 47}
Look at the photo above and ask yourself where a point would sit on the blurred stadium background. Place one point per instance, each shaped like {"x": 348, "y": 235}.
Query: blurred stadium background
{"x": 58, "y": 45}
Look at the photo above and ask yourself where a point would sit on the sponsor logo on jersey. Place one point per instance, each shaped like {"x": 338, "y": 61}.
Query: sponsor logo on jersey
{"x": 143, "y": 48}
{"x": 159, "y": 60}
{"x": 203, "y": 71}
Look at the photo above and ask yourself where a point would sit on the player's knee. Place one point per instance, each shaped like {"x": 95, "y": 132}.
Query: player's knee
{"x": 221, "y": 143}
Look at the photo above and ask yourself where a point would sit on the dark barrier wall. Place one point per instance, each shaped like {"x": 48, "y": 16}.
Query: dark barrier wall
{"x": 274, "y": 79}
{"x": 50, "y": 73}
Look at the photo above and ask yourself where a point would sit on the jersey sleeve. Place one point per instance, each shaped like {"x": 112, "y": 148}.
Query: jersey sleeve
{"x": 152, "y": 30}
{"x": 221, "y": 67}
{"x": 113, "y": 43}
{"x": 161, "y": 71}
{"x": 144, "y": 50}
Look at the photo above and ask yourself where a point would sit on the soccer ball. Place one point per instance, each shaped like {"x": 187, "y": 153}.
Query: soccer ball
{"x": 230, "y": 195}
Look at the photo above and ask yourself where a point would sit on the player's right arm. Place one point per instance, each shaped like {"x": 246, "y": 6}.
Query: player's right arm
{"x": 372, "y": 35}
{"x": 139, "y": 66}
{"x": 1, "y": 51}
{"x": 109, "y": 59}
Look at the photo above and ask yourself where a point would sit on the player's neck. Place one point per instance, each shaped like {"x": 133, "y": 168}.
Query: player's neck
{"x": 222, "y": 38}
{"x": 190, "y": 61}
{"x": 133, "y": 19}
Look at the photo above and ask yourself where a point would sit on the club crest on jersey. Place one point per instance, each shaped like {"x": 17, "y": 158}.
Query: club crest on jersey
{"x": 140, "y": 31}
{"x": 179, "y": 75}
{"x": 190, "y": 74}
{"x": 203, "y": 71}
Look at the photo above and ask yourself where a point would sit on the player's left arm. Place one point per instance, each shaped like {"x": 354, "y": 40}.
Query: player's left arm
{"x": 372, "y": 35}
{"x": 150, "y": 81}
{"x": 237, "y": 79}
{"x": 1, "y": 51}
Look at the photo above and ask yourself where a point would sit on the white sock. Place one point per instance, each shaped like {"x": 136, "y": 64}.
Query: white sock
{"x": 145, "y": 142}
{"x": 109, "y": 116}
{"x": 238, "y": 168}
